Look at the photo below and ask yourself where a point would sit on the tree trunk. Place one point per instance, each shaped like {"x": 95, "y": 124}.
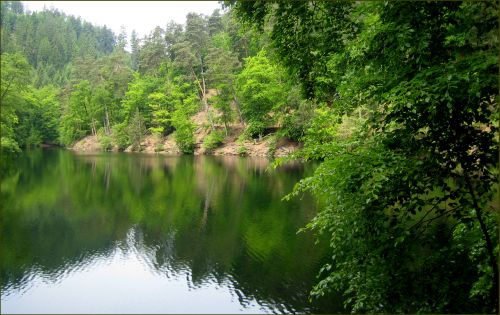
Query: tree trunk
{"x": 107, "y": 128}
{"x": 201, "y": 86}
{"x": 205, "y": 102}
{"x": 92, "y": 126}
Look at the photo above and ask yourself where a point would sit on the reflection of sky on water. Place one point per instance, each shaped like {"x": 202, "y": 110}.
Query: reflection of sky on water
{"x": 125, "y": 281}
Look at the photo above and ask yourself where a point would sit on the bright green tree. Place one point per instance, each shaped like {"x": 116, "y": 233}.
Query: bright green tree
{"x": 187, "y": 105}
{"x": 136, "y": 97}
{"x": 259, "y": 87}
{"x": 39, "y": 117}
{"x": 14, "y": 76}
{"x": 160, "y": 120}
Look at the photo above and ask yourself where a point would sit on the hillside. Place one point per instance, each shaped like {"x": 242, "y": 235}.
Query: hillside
{"x": 269, "y": 145}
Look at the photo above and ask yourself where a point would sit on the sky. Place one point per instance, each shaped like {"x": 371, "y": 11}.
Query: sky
{"x": 141, "y": 16}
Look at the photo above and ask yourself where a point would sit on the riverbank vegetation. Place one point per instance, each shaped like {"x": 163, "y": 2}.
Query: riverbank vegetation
{"x": 85, "y": 83}
{"x": 398, "y": 100}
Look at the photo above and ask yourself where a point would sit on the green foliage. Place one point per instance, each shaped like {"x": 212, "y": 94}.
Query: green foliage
{"x": 38, "y": 117}
{"x": 260, "y": 88}
{"x": 197, "y": 34}
{"x": 136, "y": 130}
{"x": 98, "y": 86}
{"x": 120, "y": 136}
{"x": 105, "y": 141}
{"x": 184, "y": 129}
{"x": 14, "y": 75}
{"x": 254, "y": 129}
{"x": 293, "y": 127}
{"x": 213, "y": 140}
{"x": 51, "y": 40}
{"x": 242, "y": 150}
{"x": 136, "y": 97}
{"x": 373, "y": 235}
{"x": 294, "y": 115}
{"x": 304, "y": 36}
{"x": 30, "y": 116}
{"x": 152, "y": 53}
{"x": 273, "y": 140}
{"x": 408, "y": 142}
{"x": 83, "y": 107}
{"x": 222, "y": 66}
{"x": 67, "y": 133}
{"x": 245, "y": 41}
{"x": 160, "y": 113}
{"x": 222, "y": 41}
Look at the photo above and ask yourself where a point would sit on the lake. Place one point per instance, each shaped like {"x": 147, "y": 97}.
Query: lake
{"x": 136, "y": 233}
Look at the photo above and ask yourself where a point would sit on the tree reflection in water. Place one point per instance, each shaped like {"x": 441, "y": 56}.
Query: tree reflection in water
{"x": 203, "y": 222}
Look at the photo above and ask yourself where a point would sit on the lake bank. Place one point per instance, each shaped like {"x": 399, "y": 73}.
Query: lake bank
{"x": 268, "y": 146}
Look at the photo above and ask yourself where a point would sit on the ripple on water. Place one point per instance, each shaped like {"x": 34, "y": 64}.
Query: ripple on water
{"x": 184, "y": 257}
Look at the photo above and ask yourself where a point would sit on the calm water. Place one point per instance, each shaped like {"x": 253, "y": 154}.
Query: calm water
{"x": 131, "y": 233}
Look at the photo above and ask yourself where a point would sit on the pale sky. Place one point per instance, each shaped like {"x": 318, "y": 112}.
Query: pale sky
{"x": 141, "y": 16}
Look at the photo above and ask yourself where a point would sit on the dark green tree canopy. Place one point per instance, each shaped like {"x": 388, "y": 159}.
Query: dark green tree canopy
{"x": 411, "y": 89}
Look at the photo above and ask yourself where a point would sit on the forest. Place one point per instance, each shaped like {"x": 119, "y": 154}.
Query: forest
{"x": 396, "y": 101}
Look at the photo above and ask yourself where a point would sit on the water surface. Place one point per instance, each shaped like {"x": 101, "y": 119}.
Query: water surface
{"x": 132, "y": 233}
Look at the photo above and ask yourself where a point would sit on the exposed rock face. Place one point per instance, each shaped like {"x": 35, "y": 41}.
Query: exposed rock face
{"x": 87, "y": 144}
{"x": 230, "y": 146}
{"x": 256, "y": 148}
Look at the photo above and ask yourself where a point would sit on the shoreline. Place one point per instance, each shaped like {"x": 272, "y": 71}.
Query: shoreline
{"x": 268, "y": 147}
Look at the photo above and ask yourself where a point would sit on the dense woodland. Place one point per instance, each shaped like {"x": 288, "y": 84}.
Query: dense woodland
{"x": 397, "y": 100}
{"x": 84, "y": 82}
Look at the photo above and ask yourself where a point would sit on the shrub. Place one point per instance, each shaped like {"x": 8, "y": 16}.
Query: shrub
{"x": 242, "y": 150}
{"x": 293, "y": 128}
{"x": 272, "y": 146}
{"x": 34, "y": 139}
{"x": 242, "y": 137}
{"x": 184, "y": 129}
{"x": 185, "y": 140}
{"x": 255, "y": 128}
{"x": 213, "y": 140}
{"x": 119, "y": 136}
{"x": 106, "y": 142}
{"x": 184, "y": 135}
{"x": 68, "y": 130}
